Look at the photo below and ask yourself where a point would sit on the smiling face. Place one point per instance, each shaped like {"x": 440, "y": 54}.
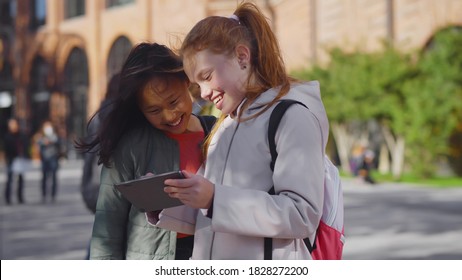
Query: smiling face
{"x": 222, "y": 79}
{"x": 166, "y": 104}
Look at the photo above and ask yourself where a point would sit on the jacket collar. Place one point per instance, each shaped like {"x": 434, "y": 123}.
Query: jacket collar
{"x": 259, "y": 103}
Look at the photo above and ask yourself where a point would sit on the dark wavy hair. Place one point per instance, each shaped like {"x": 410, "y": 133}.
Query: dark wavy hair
{"x": 145, "y": 62}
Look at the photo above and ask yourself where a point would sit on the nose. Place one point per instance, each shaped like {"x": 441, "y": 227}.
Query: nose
{"x": 206, "y": 92}
{"x": 169, "y": 115}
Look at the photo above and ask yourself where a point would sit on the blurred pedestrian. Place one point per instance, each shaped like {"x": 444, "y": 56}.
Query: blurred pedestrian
{"x": 366, "y": 166}
{"x": 356, "y": 159}
{"x": 49, "y": 148}
{"x": 17, "y": 157}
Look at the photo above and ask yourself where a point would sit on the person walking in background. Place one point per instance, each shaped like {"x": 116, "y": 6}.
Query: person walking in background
{"x": 16, "y": 153}
{"x": 356, "y": 159}
{"x": 367, "y": 164}
{"x": 238, "y": 65}
{"x": 150, "y": 129}
{"x": 49, "y": 149}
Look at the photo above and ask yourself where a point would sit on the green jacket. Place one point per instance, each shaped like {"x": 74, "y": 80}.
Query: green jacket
{"x": 120, "y": 231}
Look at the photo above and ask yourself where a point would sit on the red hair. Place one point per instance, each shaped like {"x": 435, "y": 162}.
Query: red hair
{"x": 221, "y": 35}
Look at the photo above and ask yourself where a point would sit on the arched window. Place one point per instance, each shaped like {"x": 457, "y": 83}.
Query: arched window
{"x": 75, "y": 88}
{"x": 38, "y": 13}
{"x": 39, "y": 93}
{"x": 117, "y": 55}
{"x": 7, "y": 12}
{"x": 74, "y": 8}
{"x": 6, "y": 95}
{"x": 114, "y": 3}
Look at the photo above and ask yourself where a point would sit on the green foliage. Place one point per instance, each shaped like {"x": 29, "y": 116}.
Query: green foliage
{"x": 361, "y": 86}
{"x": 418, "y": 96}
{"x": 434, "y": 98}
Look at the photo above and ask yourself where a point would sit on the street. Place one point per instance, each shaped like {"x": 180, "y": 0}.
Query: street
{"x": 385, "y": 221}
{"x": 50, "y": 231}
{"x": 398, "y": 221}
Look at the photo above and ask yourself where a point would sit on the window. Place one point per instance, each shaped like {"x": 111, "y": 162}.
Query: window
{"x": 7, "y": 12}
{"x": 75, "y": 88}
{"x": 38, "y": 13}
{"x": 113, "y": 3}
{"x": 39, "y": 92}
{"x": 74, "y": 8}
{"x": 117, "y": 55}
{"x": 6, "y": 77}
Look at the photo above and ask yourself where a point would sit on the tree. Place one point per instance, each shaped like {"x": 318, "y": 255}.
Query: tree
{"x": 434, "y": 99}
{"x": 359, "y": 87}
{"x": 415, "y": 98}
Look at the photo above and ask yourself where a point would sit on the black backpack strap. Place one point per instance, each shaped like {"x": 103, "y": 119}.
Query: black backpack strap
{"x": 274, "y": 121}
{"x": 207, "y": 123}
{"x": 268, "y": 249}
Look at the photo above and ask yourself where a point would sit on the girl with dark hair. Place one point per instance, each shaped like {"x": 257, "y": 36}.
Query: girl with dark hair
{"x": 237, "y": 63}
{"x": 149, "y": 129}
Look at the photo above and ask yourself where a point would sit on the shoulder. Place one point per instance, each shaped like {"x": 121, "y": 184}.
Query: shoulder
{"x": 303, "y": 91}
{"x": 141, "y": 141}
{"x": 309, "y": 94}
{"x": 133, "y": 141}
{"x": 139, "y": 135}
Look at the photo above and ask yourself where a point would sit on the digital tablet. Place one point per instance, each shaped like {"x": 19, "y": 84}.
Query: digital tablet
{"x": 147, "y": 193}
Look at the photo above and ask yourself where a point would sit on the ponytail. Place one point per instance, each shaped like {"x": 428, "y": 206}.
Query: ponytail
{"x": 267, "y": 61}
{"x": 250, "y": 27}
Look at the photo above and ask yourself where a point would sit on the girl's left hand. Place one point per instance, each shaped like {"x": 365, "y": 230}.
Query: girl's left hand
{"x": 194, "y": 191}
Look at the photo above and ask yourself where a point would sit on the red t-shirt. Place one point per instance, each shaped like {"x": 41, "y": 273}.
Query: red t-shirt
{"x": 190, "y": 145}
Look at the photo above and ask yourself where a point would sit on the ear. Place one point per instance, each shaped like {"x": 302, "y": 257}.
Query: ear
{"x": 243, "y": 54}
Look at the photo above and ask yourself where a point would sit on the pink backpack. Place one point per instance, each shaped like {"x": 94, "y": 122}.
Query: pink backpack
{"x": 329, "y": 240}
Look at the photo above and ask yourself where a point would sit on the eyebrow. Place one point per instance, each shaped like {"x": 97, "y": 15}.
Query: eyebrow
{"x": 151, "y": 108}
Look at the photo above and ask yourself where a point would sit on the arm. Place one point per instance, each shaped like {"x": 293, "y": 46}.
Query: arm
{"x": 110, "y": 225}
{"x": 179, "y": 219}
{"x": 298, "y": 179}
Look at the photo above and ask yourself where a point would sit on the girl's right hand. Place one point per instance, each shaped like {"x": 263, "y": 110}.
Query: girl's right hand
{"x": 194, "y": 191}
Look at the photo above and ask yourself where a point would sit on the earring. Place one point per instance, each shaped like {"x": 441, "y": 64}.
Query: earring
{"x": 243, "y": 67}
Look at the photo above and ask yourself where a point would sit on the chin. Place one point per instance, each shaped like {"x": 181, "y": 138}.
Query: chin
{"x": 183, "y": 126}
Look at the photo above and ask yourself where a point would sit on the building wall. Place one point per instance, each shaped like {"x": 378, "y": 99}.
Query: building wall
{"x": 417, "y": 21}
{"x": 351, "y": 25}
{"x": 293, "y": 28}
{"x": 306, "y": 29}
{"x": 161, "y": 21}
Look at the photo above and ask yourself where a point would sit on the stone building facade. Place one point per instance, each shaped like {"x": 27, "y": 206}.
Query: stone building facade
{"x": 57, "y": 55}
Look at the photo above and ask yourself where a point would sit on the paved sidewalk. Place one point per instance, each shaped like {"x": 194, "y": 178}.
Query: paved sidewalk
{"x": 47, "y": 231}
{"x": 401, "y": 221}
{"x": 385, "y": 221}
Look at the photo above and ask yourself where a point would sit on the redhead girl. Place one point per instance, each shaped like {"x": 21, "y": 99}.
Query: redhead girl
{"x": 237, "y": 63}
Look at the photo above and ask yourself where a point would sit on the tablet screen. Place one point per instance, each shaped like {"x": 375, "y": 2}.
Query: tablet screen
{"x": 147, "y": 193}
